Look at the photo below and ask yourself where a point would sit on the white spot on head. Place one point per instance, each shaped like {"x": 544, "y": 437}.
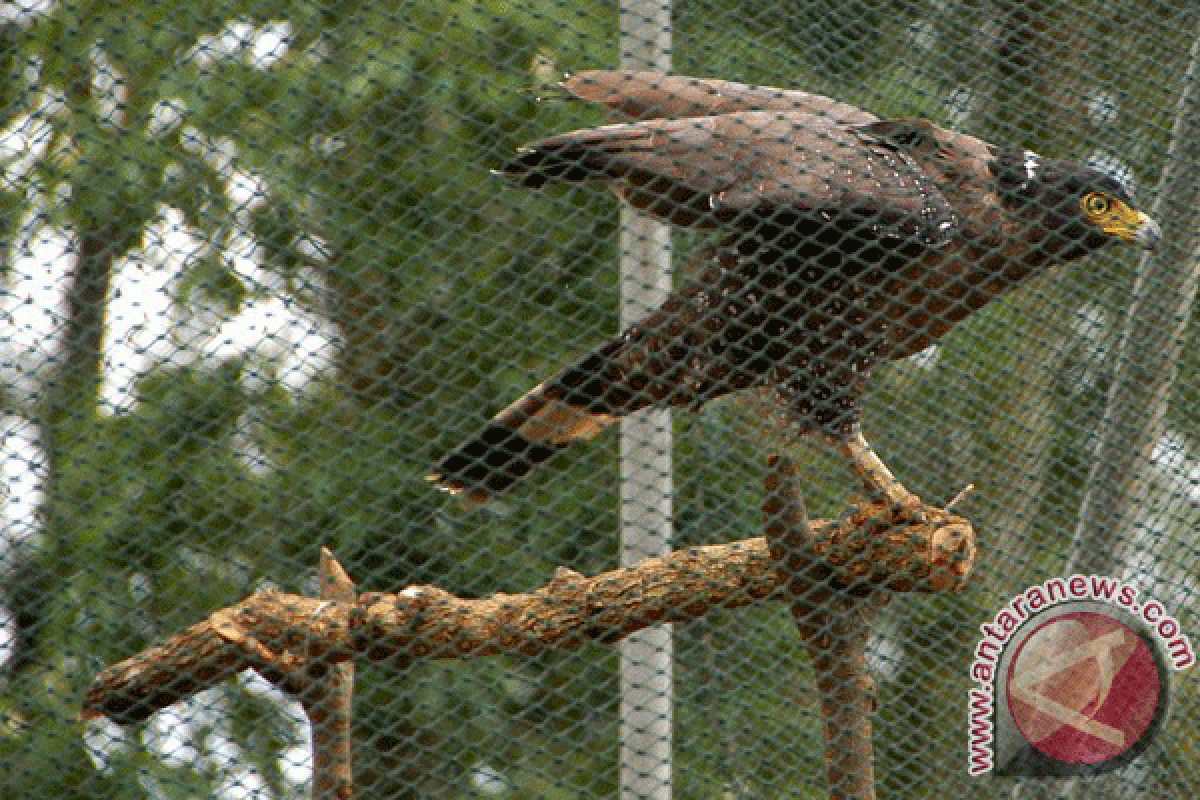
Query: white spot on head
{"x": 1032, "y": 163}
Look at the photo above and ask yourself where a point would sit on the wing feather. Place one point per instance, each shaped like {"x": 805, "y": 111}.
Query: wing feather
{"x": 652, "y": 95}
{"x": 737, "y": 167}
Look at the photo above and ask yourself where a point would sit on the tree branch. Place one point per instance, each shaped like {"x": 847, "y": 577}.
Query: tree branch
{"x": 834, "y": 625}
{"x": 327, "y": 696}
{"x": 275, "y": 632}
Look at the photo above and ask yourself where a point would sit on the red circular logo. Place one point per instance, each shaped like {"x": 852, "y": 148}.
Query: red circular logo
{"x": 1083, "y": 688}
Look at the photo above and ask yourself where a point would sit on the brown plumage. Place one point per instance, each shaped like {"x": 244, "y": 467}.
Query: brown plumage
{"x": 848, "y": 240}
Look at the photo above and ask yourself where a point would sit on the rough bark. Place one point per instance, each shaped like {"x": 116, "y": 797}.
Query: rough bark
{"x": 278, "y": 633}
{"x": 833, "y": 620}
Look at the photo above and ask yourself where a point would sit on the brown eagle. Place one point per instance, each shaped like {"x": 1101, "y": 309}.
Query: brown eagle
{"x": 848, "y": 240}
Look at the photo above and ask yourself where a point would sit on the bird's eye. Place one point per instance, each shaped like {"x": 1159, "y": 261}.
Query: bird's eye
{"x": 1096, "y": 203}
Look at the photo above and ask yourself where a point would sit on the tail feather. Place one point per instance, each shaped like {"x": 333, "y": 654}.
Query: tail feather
{"x": 708, "y": 339}
{"x": 489, "y": 464}
{"x": 517, "y": 440}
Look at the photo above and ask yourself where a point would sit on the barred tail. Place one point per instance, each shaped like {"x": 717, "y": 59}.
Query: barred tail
{"x": 701, "y": 344}
{"x": 549, "y": 418}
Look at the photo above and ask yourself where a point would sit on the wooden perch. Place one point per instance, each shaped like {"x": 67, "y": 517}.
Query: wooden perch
{"x": 278, "y": 633}
{"x": 834, "y": 624}
{"x": 327, "y": 697}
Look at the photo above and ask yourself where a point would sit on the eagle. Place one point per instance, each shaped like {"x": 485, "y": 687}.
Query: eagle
{"x": 845, "y": 240}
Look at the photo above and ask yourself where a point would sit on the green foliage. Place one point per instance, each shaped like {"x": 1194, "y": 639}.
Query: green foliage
{"x": 450, "y": 293}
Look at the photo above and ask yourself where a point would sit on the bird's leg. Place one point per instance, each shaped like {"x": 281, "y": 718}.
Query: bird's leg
{"x": 875, "y": 475}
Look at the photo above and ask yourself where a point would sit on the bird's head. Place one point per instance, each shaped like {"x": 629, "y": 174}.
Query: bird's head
{"x": 1074, "y": 209}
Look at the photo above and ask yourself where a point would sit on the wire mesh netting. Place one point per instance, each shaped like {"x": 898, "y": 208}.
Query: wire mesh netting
{"x": 268, "y": 269}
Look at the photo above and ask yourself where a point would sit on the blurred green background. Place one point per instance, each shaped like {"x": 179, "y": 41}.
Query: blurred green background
{"x": 257, "y": 276}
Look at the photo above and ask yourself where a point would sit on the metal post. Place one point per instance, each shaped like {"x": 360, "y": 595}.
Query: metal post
{"x": 646, "y": 656}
